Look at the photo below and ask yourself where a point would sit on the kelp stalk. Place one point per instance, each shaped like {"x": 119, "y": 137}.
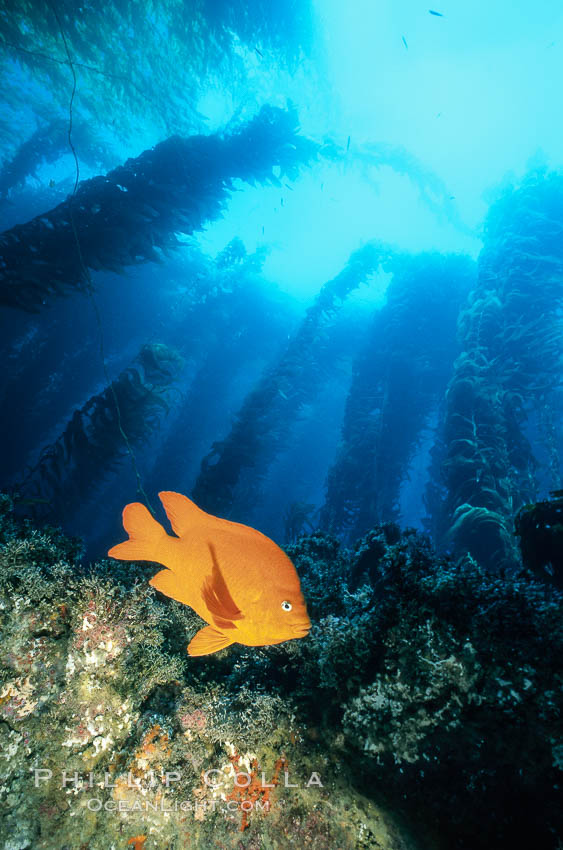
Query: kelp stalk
{"x": 266, "y": 416}
{"x": 132, "y": 214}
{"x": 93, "y": 444}
{"x": 399, "y": 378}
{"x": 508, "y": 374}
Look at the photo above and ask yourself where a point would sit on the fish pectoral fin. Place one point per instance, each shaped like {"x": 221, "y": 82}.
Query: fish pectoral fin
{"x": 167, "y": 582}
{"x": 216, "y": 594}
{"x": 207, "y": 641}
{"x": 223, "y": 624}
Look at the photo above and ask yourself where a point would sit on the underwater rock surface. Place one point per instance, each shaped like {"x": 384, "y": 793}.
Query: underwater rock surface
{"x": 421, "y": 712}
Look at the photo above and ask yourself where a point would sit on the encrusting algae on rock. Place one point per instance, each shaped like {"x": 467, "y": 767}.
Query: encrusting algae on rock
{"x": 109, "y": 739}
{"x": 396, "y": 725}
{"x": 251, "y": 790}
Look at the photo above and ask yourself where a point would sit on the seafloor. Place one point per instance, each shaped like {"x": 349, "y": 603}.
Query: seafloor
{"x": 422, "y": 711}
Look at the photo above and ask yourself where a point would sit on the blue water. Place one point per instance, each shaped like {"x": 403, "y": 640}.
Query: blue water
{"x": 421, "y": 122}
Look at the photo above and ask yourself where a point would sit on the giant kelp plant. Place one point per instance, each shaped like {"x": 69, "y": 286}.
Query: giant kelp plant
{"x": 399, "y": 379}
{"x": 226, "y": 336}
{"x": 46, "y": 145}
{"x": 507, "y": 380}
{"x": 98, "y": 436}
{"x": 140, "y": 59}
{"x": 434, "y": 193}
{"x": 262, "y": 425}
{"x": 132, "y": 215}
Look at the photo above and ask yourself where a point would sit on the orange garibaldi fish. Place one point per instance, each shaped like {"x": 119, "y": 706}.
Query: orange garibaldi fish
{"x": 234, "y": 577}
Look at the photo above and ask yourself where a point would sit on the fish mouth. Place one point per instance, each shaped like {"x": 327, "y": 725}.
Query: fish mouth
{"x": 302, "y": 629}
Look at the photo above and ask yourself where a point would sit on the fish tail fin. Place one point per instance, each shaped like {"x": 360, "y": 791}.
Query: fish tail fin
{"x": 145, "y": 535}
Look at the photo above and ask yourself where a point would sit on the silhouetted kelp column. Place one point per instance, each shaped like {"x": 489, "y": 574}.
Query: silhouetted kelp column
{"x": 46, "y": 145}
{"x": 132, "y": 214}
{"x": 267, "y": 414}
{"x": 398, "y": 381}
{"x": 507, "y": 378}
{"x": 92, "y": 444}
{"x": 226, "y": 332}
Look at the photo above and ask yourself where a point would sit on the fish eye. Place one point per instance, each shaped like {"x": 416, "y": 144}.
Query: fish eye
{"x": 286, "y": 605}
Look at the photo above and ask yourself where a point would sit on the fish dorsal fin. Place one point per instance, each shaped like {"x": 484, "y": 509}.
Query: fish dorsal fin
{"x": 181, "y": 511}
{"x": 216, "y": 596}
{"x": 208, "y": 640}
{"x": 167, "y": 582}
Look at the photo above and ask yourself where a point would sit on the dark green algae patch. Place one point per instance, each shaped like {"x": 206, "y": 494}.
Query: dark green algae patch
{"x": 422, "y": 711}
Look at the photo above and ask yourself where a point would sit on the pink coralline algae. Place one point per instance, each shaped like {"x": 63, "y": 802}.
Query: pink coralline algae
{"x": 98, "y": 633}
{"x": 195, "y": 720}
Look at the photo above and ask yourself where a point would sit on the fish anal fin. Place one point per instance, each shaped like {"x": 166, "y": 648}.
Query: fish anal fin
{"x": 167, "y": 582}
{"x": 181, "y": 511}
{"x": 145, "y": 535}
{"x": 207, "y": 641}
{"x": 216, "y": 594}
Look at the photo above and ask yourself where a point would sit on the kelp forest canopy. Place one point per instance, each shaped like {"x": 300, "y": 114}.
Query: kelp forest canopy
{"x": 142, "y": 63}
{"x": 418, "y": 387}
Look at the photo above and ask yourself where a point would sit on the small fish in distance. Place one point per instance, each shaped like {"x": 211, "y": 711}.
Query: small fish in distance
{"x": 237, "y": 579}
{"x": 405, "y": 42}
{"x": 436, "y": 14}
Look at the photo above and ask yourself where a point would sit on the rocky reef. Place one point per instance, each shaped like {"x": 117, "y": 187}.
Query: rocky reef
{"x": 422, "y": 711}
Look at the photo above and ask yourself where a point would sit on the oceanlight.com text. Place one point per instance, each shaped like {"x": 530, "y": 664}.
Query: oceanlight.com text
{"x": 94, "y": 804}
